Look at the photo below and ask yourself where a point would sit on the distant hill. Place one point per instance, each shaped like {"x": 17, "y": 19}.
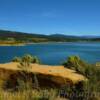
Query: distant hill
{"x": 21, "y": 36}
{"x": 63, "y": 36}
{"x": 32, "y": 37}
{"x": 14, "y": 34}
{"x": 91, "y": 36}
{"x": 73, "y": 36}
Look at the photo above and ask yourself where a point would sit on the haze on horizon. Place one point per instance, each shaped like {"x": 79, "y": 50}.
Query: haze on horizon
{"x": 69, "y": 17}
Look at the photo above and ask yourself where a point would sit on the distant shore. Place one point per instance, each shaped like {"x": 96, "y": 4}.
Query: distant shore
{"x": 24, "y": 44}
{"x": 17, "y": 44}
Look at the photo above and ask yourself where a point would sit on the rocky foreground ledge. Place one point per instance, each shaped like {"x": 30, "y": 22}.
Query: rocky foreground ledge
{"x": 50, "y": 76}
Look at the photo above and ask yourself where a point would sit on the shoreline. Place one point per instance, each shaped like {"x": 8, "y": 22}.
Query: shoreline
{"x": 19, "y": 44}
{"x": 24, "y": 44}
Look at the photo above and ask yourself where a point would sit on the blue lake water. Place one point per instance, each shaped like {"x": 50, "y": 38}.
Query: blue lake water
{"x": 53, "y": 53}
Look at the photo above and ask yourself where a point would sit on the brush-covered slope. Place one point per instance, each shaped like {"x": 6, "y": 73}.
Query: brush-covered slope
{"x": 50, "y": 76}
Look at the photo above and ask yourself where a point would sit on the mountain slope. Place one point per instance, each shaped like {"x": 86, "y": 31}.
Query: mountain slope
{"x": 32, "y": 37}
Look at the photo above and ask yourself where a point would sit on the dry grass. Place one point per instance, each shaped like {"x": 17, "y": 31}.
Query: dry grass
{"x": 30, "y": 95}
{"x": 56, "y": 71}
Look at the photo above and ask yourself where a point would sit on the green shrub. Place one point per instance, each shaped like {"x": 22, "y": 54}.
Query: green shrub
{"x": 75, "y": 63}
{"x": 35, "y": 60}
{"x": 16, "y": 59}
{"x": 27, "y": 58}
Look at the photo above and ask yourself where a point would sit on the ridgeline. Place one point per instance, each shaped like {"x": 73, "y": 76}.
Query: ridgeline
{"x": 13, "y": 37}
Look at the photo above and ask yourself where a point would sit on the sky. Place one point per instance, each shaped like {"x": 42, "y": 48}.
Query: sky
{"x": 70, "y": 17}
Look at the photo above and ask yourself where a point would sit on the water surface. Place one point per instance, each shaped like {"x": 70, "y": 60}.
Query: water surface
{"x": 53, "y": 53}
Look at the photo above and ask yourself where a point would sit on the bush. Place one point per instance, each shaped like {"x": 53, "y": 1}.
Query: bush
{"x": 35, "y": 60}
{"x": 31, "y": 59}
{"x": 16, "y": 59}
{"x": 75, "y": 63}
{"x": 92, "y": 72}
{"x": 26, "y": 82}
{"x": 27, "y": 58}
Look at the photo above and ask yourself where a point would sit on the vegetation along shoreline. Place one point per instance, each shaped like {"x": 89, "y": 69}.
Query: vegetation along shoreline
{"x": 12, "y": 38}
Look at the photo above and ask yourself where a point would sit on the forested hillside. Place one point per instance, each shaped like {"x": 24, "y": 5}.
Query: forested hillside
{"x": 32, "y": 37}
